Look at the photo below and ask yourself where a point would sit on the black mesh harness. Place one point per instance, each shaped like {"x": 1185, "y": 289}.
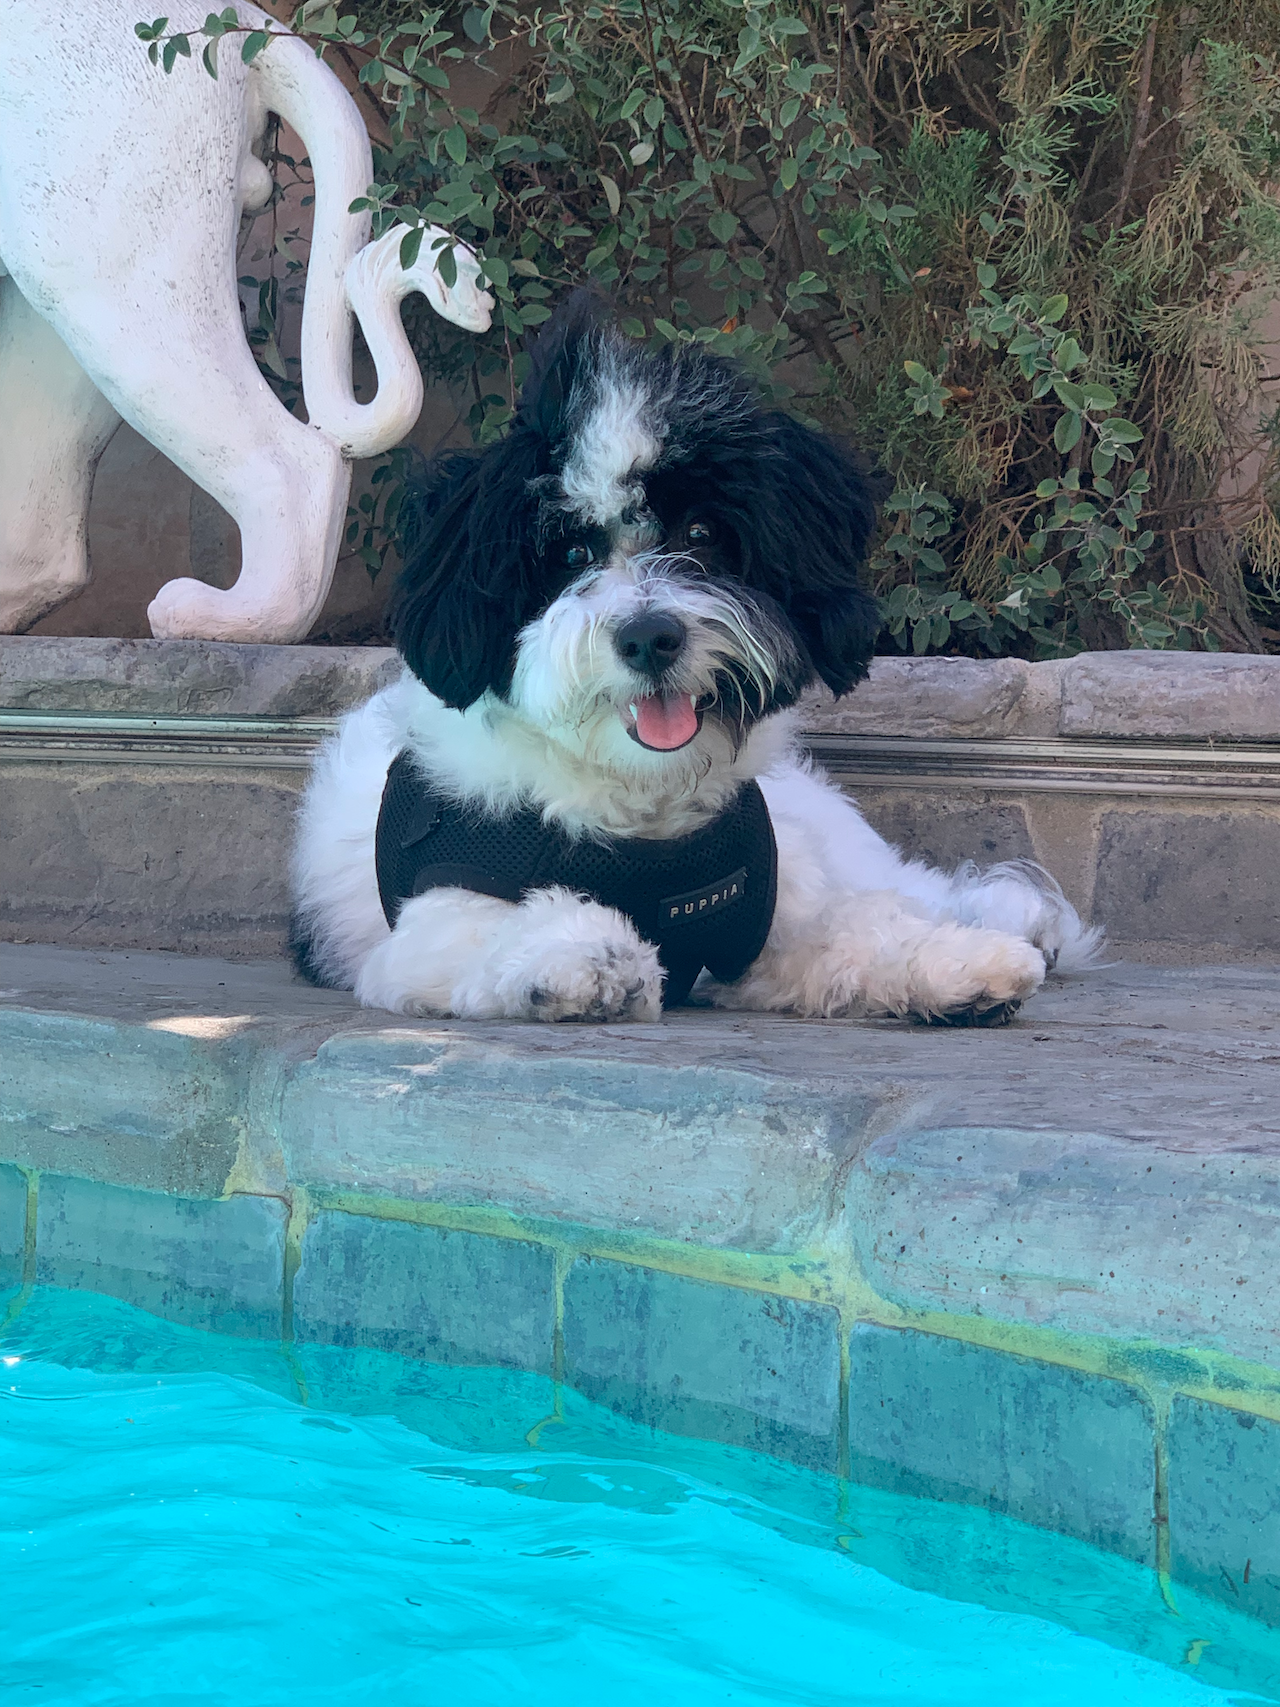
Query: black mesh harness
{"x": 705, "y": 899}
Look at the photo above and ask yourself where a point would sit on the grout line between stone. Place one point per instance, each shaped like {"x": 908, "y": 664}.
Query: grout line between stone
{"x": 846, "y": 1328}
{"x": 1162, "y": 1405}
{"x": 21, "y": 1298}
{"x": 562, "y": 1260}
{"x": 30, "y": 1227}
{"x": 295, "y": 1229}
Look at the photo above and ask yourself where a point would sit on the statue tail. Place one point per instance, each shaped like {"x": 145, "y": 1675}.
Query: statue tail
{"x": 347, "y": 275}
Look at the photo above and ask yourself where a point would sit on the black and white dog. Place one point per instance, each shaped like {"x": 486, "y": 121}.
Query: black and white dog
{"x": 585, "y": 793}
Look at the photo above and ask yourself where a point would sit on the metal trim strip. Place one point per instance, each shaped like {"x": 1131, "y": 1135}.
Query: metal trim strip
{"x": 1207, "y": 770}
{"x": 93, "y": 738}
{"x": 1201, "y": 770}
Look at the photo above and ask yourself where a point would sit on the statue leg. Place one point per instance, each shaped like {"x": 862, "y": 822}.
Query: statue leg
{"x": 54, "y": 425}
{"x": 286, "y": 486}
{"x": 177, "y": 367}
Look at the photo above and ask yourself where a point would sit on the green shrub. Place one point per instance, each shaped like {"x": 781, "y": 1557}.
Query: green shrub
{"x": 1019, "y": 254}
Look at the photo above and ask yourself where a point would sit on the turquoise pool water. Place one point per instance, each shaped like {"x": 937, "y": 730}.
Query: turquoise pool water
{"x": 177, "y": 1526}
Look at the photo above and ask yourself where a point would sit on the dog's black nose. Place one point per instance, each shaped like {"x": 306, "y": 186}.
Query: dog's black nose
{"x": 650, "y": 643}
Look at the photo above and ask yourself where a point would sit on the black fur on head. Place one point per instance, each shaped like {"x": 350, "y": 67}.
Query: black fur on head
{"x": 774, "y": 512}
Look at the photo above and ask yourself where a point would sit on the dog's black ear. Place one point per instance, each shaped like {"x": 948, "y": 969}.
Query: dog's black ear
{"x": 814, "y": 516}
{"x": 555, "y": 359}
{"x": 467, "y": 526}
{"x": 839, "y": 630}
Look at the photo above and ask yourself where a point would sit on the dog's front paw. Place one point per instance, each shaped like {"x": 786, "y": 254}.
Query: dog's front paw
{"x": 575, "y": 960}
{"x": 607, "y": 984}
{"x": 974, "y": 977}
{"x": 586, "y": 982}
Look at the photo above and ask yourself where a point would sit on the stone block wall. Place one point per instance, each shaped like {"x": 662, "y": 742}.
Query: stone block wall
{"x": 150, "y": 788}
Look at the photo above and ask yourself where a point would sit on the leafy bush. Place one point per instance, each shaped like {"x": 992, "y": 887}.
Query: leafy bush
{"x": 1020, "y": 255}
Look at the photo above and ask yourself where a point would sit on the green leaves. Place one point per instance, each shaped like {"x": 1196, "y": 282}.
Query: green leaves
{"x": 175, "y": 47}
{"x": 800, "y": 77}
{"x": 167, "y": 50}
{"x": 919, "y": 609}
{"x": 803, "y": 293}
{"x": 749, "y": 45}
{"x": 703, "y": 164}
{"x": 1027, "y": 328}
{"x": 446, "y": 262}
{"x": 927, "y": 392}
{"x": 477, "y": 23}
{"x": 666, "y": 207}
{"x": 722, "y": 224}
{"x": 1066, "y": 435}
{"x": 1068, "y": 355}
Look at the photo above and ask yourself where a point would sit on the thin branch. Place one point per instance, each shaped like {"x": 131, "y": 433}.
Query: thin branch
{"x": 1141, "y": 119}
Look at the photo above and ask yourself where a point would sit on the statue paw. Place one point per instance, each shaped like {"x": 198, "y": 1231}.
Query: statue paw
{"x": 190, "y": 610}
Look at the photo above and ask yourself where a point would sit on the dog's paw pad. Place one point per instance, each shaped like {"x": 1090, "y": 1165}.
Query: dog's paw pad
{"x": 999, "y": 1013}
{"x": 592, "y": 985}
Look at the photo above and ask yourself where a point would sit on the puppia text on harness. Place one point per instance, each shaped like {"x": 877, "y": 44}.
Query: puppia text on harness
{"x": 703, "y": 900}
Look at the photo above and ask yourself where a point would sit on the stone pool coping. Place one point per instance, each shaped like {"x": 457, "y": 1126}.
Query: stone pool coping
{"x": 1158, "y": 696}
{"x": 1036, "y": 1268}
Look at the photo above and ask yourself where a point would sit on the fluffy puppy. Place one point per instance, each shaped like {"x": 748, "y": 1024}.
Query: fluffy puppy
{"x": 591, "y": 757}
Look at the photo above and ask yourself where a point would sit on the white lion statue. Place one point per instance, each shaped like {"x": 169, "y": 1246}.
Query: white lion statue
{"x": 121, "y": 192}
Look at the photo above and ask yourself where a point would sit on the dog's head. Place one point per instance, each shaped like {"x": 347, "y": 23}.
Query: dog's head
{"x": 647, "y": 562}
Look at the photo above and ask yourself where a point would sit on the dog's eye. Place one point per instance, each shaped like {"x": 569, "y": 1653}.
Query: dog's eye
{"x": 699, "y": 533}
{"x": 578, "y": 556}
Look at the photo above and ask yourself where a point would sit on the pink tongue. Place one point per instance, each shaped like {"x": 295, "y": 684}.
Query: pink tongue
{"x": 666, "y": 723}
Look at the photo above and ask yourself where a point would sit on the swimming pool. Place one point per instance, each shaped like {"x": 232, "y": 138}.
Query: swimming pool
{"x": 187, "y": 1517}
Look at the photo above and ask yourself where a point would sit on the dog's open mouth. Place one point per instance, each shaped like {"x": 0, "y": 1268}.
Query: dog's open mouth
{"x": 664, "y": 722}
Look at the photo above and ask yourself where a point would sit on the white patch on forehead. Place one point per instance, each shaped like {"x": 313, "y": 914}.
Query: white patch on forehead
{"x": 613, "y": 444}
